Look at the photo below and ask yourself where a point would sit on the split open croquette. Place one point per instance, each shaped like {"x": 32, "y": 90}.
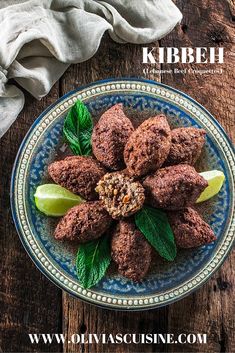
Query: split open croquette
{"x": 158, "y": 172}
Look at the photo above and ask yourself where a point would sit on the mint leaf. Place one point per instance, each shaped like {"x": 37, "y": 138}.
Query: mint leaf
{"x": 93, "y": 259}
{"x": 154, "y": 225}
{"x": 77, "y": 129}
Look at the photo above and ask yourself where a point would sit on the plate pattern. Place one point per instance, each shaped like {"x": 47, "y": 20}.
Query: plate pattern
{"x": 193, "y": 268}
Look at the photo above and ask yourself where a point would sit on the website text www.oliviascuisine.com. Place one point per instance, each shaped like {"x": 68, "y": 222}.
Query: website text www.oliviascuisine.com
{"x": 119, "y": 338}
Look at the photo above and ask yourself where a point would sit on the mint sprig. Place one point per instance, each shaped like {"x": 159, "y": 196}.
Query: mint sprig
{"x": 154, "y": 225}
{"x": 93, "y": 259}
{"x": 77, "y": 130}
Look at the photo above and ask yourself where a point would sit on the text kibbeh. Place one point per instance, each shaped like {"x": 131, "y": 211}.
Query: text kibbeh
{"x": 174, "y": 187}
{"x": 110, "y": 136}
{"x": 148, "y": 146}
{"x": 130, "y": 251}
{"x": 78, "y": 174}
{"x": 83, "y": 223}
{"x": 189, "y": 228}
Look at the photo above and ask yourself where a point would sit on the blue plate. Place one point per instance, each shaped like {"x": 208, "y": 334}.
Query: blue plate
{"x": 167, "y": 282}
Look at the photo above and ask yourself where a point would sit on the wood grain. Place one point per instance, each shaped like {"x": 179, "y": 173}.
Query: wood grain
{"x": 29, "y": 302}
{"x": 207, "y": 23}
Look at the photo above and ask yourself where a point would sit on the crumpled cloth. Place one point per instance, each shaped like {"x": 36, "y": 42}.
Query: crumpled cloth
{"x": 39, "y": 39}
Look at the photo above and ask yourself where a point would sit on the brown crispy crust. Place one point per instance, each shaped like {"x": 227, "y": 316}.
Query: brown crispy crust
{"x": 83, "y": 223}
{"x": 174, "y": 187}
{"x": 148, "y": 146}
{"x": 189, "y": 228}
{"x": 79, "y": 174}
{"x": 186, "y": 145}
{"x": 110, "y": 136}
{"x": 130, "y": 251}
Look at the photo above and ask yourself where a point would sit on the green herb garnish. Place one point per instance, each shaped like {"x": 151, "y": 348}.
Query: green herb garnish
{"x": 93, "y": 259}
{"x": 154, "y": 225}
{"x": 77, "y": 129}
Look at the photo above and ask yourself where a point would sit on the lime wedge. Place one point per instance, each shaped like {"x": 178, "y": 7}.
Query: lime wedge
{"x": 215, "y": 180}
{"x": 54, "y": 200}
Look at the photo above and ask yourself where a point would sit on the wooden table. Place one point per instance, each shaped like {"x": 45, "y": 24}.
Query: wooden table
{"x": 30, "y": 303}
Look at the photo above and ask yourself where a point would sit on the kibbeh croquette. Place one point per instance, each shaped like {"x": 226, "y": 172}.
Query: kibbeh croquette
{"x": 174, "y": 188}
{"x": 148, "y": 146}
{"x": 189, "y": 228}
{"x": 186, "y": 145}
{"x": 130, "y": 251}
{"x": 109, "y": 137}
{"x": 120, "y": 195}
{"x": 78, "y": 174}
{"x": 83, "y": 223}
{"x": 161, "y": 160}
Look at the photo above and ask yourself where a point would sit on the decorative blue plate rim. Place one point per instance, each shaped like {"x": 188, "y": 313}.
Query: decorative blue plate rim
{"x": 98, "y": 298}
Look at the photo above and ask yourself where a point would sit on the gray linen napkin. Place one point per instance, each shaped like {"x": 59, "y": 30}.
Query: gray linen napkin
{"x": 39, "y": 39}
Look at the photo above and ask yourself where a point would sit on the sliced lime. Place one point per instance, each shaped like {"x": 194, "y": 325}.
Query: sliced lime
{"x": 54, "y": 200}
{"x": 215, "y": 180}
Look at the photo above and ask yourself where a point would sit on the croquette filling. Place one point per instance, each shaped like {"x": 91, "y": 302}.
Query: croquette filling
{"x": 120, "y": 195}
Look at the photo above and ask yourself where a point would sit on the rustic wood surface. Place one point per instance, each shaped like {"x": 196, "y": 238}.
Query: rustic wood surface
{"x": 29, "y": 303}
